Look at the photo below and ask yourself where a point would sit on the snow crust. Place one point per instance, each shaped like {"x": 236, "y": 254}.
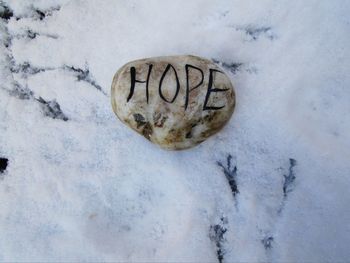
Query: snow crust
{"x": 81, "y": 186}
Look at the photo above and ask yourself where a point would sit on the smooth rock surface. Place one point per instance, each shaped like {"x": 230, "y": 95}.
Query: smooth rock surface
{"x": 176, "y": 101}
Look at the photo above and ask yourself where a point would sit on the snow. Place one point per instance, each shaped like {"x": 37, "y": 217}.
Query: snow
{"x": 90, "y": 189}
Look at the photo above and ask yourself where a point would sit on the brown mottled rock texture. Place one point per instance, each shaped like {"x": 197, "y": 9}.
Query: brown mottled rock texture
{"x": 176, "y": 101}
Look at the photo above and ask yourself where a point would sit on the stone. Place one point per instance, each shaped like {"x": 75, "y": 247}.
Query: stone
{"x": 175, "y": 101}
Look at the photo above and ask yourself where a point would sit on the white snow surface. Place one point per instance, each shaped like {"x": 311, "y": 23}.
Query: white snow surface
{"x": 88, "y": 188}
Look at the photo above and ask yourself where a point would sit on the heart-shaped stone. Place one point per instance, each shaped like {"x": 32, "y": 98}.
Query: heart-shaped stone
{"x": 176, "y": 101}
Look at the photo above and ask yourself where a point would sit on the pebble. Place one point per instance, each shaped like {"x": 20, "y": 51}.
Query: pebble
{"x": 176, "y": 102}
